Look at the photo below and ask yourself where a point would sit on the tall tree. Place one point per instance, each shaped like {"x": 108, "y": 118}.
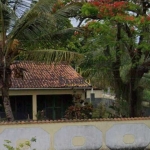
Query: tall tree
{"x": 27, "y": 31}
{"x": 120, "y": 39}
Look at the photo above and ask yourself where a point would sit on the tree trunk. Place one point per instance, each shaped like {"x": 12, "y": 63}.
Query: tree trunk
{"x": 128, "y": 92}
{"x": 6, "y": 103}
{"x": 5, "y": 94}
{"x": 135, "y": 103}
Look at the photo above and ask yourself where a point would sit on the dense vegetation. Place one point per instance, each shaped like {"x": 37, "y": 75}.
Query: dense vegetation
{"x": 113, "y": 35}
{"x": 116, "y": 48}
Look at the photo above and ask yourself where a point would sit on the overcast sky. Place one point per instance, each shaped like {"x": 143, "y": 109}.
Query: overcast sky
{"x": 74, "y": 22}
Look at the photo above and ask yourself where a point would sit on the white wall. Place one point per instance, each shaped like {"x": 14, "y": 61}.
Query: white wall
{"x": 99, "y": 94}
{"x": 109, "y": 134}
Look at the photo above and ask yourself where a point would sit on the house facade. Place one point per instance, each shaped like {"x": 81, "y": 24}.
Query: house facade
{"x": 97, "y": 96}
{"x": 43, "y": 88}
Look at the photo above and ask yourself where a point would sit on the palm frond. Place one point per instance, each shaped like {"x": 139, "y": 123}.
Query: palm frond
{"x": 6, "y": 15}
{"x": 39, "y": 23}
{"x": 50, "y": 56}
{"x": 19, "y": 6}
{"x": 41, "y": 9}
{"x": 65, "y": 31}
{"x": 70, "y": 10}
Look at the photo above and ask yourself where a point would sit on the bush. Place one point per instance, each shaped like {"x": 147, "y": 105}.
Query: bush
{"x": 79, "y": 109}
{"x": 22, "y": 146}
{"x": 100, "y": 111}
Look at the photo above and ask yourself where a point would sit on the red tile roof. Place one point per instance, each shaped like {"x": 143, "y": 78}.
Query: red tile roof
{"x": 39, "y": 75}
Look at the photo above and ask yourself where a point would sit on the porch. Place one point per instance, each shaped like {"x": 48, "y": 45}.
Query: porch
{"x": 26, "y": 103}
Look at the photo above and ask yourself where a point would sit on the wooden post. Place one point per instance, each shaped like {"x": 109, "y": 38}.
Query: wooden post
{"x": 34, "y": 106}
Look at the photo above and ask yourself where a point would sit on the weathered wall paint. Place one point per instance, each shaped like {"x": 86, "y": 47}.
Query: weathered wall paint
{"x": 88, "y": 135}
{"x": 63, "y": 138}
{"x": 116, "y": 134}
{"x": 25, "y": 134}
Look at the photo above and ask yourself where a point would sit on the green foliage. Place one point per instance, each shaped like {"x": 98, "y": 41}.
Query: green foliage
{"x": 120, "y": 109}
{"x": 79, "y": 110}
{"x": 100, "y": 111}
{"x": 146, "y": 95}
{"x": 40, "y": 115}
{"x": 38, "y": 27}
{"x": 89, "y": 10}
{"x": 22, "y": 146}
{"x": 116, "y": 48}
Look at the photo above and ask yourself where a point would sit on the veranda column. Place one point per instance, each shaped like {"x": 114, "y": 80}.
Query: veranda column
{"x": 34, "y": 106}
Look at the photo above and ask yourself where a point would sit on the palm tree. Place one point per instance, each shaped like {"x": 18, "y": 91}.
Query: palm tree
{"x": 25, "y": 29}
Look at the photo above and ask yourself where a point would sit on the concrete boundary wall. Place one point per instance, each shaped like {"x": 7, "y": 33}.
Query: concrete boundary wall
{"x": 100, "y": 134}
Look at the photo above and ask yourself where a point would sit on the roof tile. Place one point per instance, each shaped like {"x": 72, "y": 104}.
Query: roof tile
{"x": 40, "y": 75}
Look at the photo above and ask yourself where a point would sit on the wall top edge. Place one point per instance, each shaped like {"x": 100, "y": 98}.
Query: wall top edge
{"x": 71, "y": 121}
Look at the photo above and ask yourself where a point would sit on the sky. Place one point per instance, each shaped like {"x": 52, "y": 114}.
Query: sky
{"x": 74, "y": 22}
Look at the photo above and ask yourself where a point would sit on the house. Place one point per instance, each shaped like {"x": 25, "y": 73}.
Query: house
{"x": 44, "y": 87}
{"x": 97, "y": 96}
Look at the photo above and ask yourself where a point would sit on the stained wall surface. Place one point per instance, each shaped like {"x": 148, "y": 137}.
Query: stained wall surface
{"x": 98, "y": 134}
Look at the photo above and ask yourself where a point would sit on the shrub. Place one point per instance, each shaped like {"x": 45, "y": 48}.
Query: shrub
{"x": 79, "y": 109}
{"x": 22, "y": 146}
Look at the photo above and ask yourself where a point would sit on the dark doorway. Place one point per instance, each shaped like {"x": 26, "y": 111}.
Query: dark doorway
{"x": 54, "y": 106}
{"x": 21, "y": 107}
